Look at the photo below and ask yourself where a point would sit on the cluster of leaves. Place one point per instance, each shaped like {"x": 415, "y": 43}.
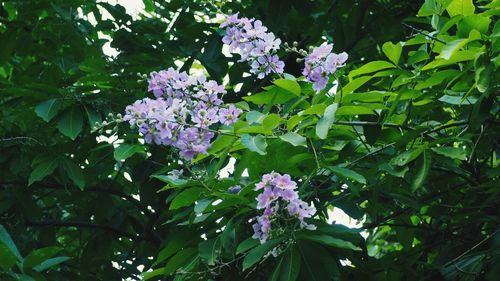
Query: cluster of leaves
{"x": 408, "y": 144}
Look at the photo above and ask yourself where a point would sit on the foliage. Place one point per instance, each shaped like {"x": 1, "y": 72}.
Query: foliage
{"x": 408, "y": 144}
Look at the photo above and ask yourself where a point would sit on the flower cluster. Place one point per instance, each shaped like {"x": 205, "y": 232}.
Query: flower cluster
{"x": 321, "y": 63}
{"x": 279, "y": 189}
{"x": 250, "y": 39}
{"x": 184, "y": 109}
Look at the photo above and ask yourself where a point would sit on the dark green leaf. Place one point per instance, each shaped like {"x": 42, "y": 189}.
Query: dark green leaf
{"x": 40, "y": 255}
{"x": 74, "y": 172}
{"x": 254, "y": 255}
{"x": 348, "y": 174}
{"x": 422, "y": 165}
{"x": 186, "y": 197}
{"x": 48, "y": 109}
{"x": 71, "y": 122}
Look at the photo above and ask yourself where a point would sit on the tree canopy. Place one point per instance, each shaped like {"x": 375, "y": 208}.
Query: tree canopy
{"x": 402, "y": 137}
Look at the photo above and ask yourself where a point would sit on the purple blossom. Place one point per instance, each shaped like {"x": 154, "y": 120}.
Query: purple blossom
{"x": 250, "y": 39}
{"x": 321, "y": 63}
{"x": 184, "y": 109}
{"x": 228, "y": 116}
{"x": 279, "y": 189}
{"x": 234, "y": 189}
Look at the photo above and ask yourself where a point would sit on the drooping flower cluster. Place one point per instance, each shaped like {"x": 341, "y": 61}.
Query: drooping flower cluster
{"x": 250, "y": 39}
{"x": 279, "y": 196}
{"x": 321, "y": 63}
{"x": 184, "y": 109}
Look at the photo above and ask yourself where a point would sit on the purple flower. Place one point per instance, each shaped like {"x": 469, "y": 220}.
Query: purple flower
{"x": 228, "y": 116}
{"x": 231, "y": 20}
{"x": 265, "y": 198}
{"x": 184, "y": 108}
{"x": 278, "y": 189}
{"x": 284, "y": 182}
{"x": 250, "y": 39}
{"x": 321, "y": 63}
{"x": 234, "y": 189}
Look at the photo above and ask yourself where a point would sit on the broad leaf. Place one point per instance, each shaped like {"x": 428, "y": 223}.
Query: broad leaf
{"x": 254, "y": 143}
{"x": 348, "y": 174}
{"x": 290, "y": 85}
{"x": 186, "y": 197}
{"x": 71, "y": 122}
{"x": 254, "y": 255}
{"x": 48, "y": 109}
{"x": 294, "y": 139}
{"x": 326, "y": 121}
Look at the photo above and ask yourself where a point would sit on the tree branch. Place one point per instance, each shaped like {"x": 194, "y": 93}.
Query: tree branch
{"x": 103, "y": 227}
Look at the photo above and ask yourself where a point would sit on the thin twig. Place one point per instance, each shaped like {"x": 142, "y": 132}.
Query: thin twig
{"x": 473, "y": 248}
{"x": 315, "y": 154}
{"x": 419, "y": 31}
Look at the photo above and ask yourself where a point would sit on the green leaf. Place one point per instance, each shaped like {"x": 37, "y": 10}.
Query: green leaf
{"x": 354, "y": 110}
{"x": 348, "y": 174}
{"x": 254, "y": 143}
{"x": 290, "y": 85}
{"x": 354, "y": 84}
{"x": 149, "y": 6}
{"x": 71, "y": 123}
{"x": 433, "y": 7}
{"x": 50, "y": 263}
{"x": 154, "y": 273}
{"x": 326, "y": 121}
{"x": 464, "y": 269}
{"x": 176, "y": 182}
{"x": 317, "y": 263}
{"x": 437, "y": 78}
{"x": 396, "y": 171}
{"x": 371, "y": 67}
{"x": 271, "y": 121}
{"x": 186, "y": 197}
{"x": 330, "y": 241}
{"x": 277, "y": 270}
{"x": 407, "y": 156}
{"x": 255, "y": 117}
{"x": 294, "y": 139}
{"x": 125, "y": 151}
{"x": 452, "y": 47}
{"x": 43, "y": 169}
{"x": 74, "y": 172}
{"x": 48, "y": 109}
{"x": 477, "y": 22}
{"x": 176, "y": 242}
{"x": 220, "y": 143}
{"x": 458, "y": 100}
{"x": 179, "y": 260}
{"x": 314, "y": 109}
{"x": 422, "y": 166}
{"x": 209, "y": 250}
{"x": 272, "y": 96}
{"x": 254, "y": 255}
{"x": 7, "y": 258}
{"x": 458, "y": 56}
{"x": 392, "y": 51}
{"x": 201, "y": 205}
{"x": 246, "y": 245}
{"x": 40, "y": 255}
{"x": 460, "y": 7}
{"x": 93, "y": 117}
{"x": 451, "y": 152}
{"x": 290, "y": 267}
